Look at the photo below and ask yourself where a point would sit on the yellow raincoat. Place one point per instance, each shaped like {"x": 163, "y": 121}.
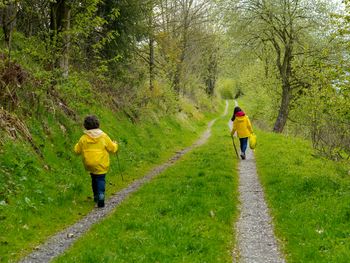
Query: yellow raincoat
{"x": 95, "y": 146}
{"x": 242, "y": 125}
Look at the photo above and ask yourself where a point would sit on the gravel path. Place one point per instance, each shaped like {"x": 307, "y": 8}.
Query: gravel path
{"x": 255, "y": 237}
{"x": 58, "y": 243}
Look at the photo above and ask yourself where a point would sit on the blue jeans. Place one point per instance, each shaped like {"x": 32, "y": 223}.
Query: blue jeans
{"x": 244, "y": 144}
{"x": 98, "y": 182}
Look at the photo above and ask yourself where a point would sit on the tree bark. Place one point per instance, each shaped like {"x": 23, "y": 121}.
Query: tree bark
{"x": 151, "y": 63}
{"x": 283, "y": 110}
{"x": 8, "y": 19}
{"x": 64, "y": 59}
{"x": 151, "y": 53}
{"x": 284, "y": 66}
{"x": 186, "y": 8}
{"x": 212, "y": 71}
{"x": 179, "y": 65}
{"x": 59, "y": 26}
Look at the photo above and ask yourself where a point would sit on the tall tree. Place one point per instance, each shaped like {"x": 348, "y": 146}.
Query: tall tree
{"x": 33, "y": 17}
{"x": 60, "y": 21}
{"x": 279, "y": 25}
{"x": 181, "y": 36}
{"x": 8, "y": 16}
{"x": 151, "y": 43}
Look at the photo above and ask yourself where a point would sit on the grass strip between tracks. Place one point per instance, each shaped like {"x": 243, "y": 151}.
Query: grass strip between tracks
{"x": 185, "y": 214}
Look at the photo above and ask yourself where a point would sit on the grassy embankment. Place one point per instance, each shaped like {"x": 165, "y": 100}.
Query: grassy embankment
{"x": 309, "y": 197}
{"x": 186, "y": 214}
{"x": 41, "y": 195}
{"x": 38, "y": 202}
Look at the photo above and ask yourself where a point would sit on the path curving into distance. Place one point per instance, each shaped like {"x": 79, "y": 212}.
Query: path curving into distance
{"x": 60, "y": 242}
{"x": 256, "y": 242}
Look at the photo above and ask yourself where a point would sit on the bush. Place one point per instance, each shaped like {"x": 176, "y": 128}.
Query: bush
{"x": 324, "y": 114}
{"x": 226, "y": 89}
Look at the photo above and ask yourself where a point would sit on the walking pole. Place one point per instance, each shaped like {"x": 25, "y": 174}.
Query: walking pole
{"x": 120, "y": 170}
{"x": 234, "y": 146}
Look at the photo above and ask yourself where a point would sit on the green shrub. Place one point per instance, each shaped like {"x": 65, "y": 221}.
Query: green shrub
{"x": 226, "y": 89}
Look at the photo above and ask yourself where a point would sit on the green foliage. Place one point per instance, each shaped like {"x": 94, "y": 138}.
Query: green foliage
{"x": 160, "y": 101}
{"x": 261, "y": 35}
{"x": 320, "y": 101}
{"x": 185, "y": 214}
{"x": 260, "y": 94}
{"x": 325, "y": 116}
{"x": 308, "y": 196}
{"x": 204, "y": 101}
{"x": 112, "y": 39}
{"x": 321, "y": 113}
{"x": 227, "y": 89}
{"x": 187, "y": 46}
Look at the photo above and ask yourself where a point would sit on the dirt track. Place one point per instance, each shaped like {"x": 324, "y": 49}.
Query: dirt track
{"x": 256, "y": 241}
{"x": 58, "y": 243}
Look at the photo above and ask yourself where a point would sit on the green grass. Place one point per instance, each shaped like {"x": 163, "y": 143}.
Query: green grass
{"x": 186, "y": 214}
{"x": 38, "y": 197}
{"x": 309, "y": 197}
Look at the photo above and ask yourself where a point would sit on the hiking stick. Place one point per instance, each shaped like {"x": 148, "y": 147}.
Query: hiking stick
{"x": 234, "y": 146}
{"x": 120, "y": 170}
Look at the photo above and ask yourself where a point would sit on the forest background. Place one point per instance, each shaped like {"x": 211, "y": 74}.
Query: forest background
{"x": 145, "y": 61}
{"x": 290, "y": 56}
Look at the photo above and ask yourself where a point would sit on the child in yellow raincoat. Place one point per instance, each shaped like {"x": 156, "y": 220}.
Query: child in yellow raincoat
{"x": 242, "y": 125}
{"x": 95, "y": 146}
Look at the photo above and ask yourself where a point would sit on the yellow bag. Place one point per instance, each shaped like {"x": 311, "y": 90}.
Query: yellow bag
{"x": 252, "y": 141}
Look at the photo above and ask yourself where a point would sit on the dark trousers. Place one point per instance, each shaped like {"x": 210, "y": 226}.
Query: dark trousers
{"x": 244, "y": 144}
{"x": 98, "y": 182}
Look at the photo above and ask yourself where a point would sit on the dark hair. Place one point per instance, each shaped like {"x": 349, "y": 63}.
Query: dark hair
{"x": 91, "y": 122}
{"x": 237, "y": 109}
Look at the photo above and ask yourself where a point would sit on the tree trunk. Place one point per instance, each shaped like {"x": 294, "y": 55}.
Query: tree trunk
{"x": 285, "y": 70}
{"x": 284, "y": 110}
{"x": 59, "y": 26}
{"x": 212, "y": 73}
{"x": 57, "y": 16}
{"x": 185, "y": 27}
{"x": 64, "y": 59}
{"x": 176, "y": 82}
{"x": 179, "y": 66}
{"x": 8, "y": 19}
{"x": 151, "y": 62}
{"x": 151, "y": 53}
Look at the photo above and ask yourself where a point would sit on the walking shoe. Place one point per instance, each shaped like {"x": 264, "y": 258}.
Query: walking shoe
{"x": 101, "y": 203}
{"x": 243, "y": 156}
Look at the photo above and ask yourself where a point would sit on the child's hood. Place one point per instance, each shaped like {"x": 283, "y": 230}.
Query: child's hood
{"x": 94, "y": 133}
{"x": 241, "y": 118}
